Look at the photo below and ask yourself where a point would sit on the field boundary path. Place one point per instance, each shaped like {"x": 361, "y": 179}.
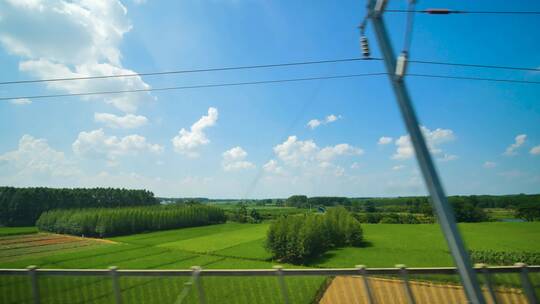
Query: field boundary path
{"x": 351, "y": 290}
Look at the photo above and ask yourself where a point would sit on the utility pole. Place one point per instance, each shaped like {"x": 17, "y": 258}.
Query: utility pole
{"x": 444, "y": 211}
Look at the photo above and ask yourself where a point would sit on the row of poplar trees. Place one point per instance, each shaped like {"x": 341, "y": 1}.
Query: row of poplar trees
{"x": 104, "y": 222}
{"x": 23, "y": 206}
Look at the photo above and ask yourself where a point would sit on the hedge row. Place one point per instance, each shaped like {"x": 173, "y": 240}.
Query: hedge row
{"x": 296, "y": 238}
{"x": 504, "y": 257}
{"x": 121, "y": 221}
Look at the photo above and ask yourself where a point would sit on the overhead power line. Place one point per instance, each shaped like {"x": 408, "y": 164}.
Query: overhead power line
{"x": 475, "y": 78}
{"x": 502, "y": 67}
{"x": 231, "y": 68}
{"x": 266, "y": 66}
{"x": 445, "y": 11}
{"x": 230, "y": 84}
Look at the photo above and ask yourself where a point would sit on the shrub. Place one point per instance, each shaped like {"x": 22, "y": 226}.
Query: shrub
{"x": 504, "y": 257}
{"x": 120, "y": 221}
{"x": 295, "y": 238}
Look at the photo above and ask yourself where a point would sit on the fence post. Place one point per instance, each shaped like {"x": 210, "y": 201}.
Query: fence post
{"x": 198, "y": 284}
{"x": 282, "y": 285}
{"x": 363, "y": 273}
{"x": 489, "y": 282}
{"x": 406, "y": 285}
{"x": 34, "y": 283}
{"x": 116, "y": 284}
{"x": 526, "y": 283}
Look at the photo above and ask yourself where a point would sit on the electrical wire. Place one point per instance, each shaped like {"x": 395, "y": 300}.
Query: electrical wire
{"x": 268, "y": 66}
{"x": 475, "y": 78}
{"x": 477, "y": 65}
{"x": 264, "y": 82}
{"x": 232, "y": 68}
{"x": 193, "y": 86}
{"x": 444, "y": 11}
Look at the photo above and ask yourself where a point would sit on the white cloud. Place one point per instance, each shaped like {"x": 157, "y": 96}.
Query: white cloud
{"x": 331, "y": 118}
{"x": 234, "y": 159}
{"x": 489, "y": 165}
{"x": 329, "y": 153}
{"x": 186, "y": 142}
{"x": 535, "y": 150}
{"x": 126, "y": 102}
{"x": 128, "y": 121}
{"x": 434, "y": 138}
{"x": 296, "y": 152}
{"x": 20, "y": 101}
{"x": 355, "y": 165}
{"x": 518, "y": 142}
{"x": 35, "y": 157}
{"x": 272, "y": 167}
{"x": 96, "y": 144}
{"x": 398, "y": 167}
{"x": 447, "y": 157}
{"x": 384, "y": 140}
{"x": 57, "y": 39}
{"x": 305, "y": 157}
{"x": 314, "y": 123}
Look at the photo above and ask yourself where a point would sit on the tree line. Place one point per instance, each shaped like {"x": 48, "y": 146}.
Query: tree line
{"x": 23, "y": 206}
{"x": 466, "y": 208}
{"x": 104, "y": 222}
{"x": 295, "y": 238}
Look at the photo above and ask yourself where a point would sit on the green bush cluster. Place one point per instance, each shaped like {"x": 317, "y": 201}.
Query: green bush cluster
{"x": 491, "y": 257}
{"x": 121, "y": 221}
{"x": 393, "y": 218}
{"x": 296, "y": 238}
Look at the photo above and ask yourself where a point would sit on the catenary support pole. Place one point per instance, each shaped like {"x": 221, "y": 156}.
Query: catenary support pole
{"x": 438, "y": 198}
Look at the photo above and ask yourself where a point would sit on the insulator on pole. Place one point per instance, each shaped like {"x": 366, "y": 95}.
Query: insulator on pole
{"x": 364, "y": 45}
{"x": 401, "y": 65}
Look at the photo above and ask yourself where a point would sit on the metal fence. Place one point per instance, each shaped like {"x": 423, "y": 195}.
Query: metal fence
{"x": 508, "y": 284}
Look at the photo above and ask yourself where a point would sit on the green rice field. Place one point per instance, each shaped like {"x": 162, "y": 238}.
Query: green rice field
{"x": 230, "y": 245}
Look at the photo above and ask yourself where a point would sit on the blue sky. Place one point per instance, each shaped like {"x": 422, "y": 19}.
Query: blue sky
{"x": 324, "y": 137}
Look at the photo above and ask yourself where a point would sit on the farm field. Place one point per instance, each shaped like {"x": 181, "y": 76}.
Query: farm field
{"x": 234, "y": 245}
{"x": 5, "y": 231}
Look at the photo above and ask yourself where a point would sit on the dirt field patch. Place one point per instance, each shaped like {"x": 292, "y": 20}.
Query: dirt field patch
{"x": 350, "y": 290}
{"x": 11, "y": 247}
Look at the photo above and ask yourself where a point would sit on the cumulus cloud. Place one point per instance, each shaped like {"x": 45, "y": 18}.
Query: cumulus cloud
{"x": 34, "y": 156}
{"x": 434, "y": 138}
{"x": 296, "y": 152}
{"x": 518, "y": 142}
{"x": 385, "y": 140}
{"x": 331, "y": 152}
{"x": 398, "y": 167}
{"x": 355, "y": 165}
{"x": 314, "y": 123}
{"x": 186, "y": 142}
{"x": 489, "y": 165}
{"x": 96, "y": 144}
{"x": 20, "y": 101}
{"x": 272, "y": 166}
{"x": 307, "y": 158}
{"x": 58, "y": 39}
{"x": 128, "y": 121}
{"x": 535, "y": 150}
{"x": 235, "y": 159}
